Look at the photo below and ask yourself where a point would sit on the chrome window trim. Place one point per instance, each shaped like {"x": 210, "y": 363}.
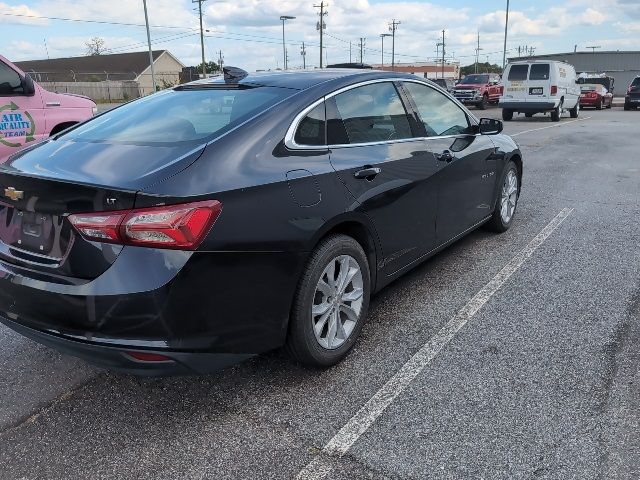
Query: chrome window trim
{"x": 289, "y": 139}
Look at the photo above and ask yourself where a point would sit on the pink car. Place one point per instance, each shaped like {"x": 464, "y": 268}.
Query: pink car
{"x": 29, "y": 113}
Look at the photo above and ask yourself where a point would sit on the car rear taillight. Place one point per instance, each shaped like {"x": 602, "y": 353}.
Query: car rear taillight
{"x": 554, "y": 89}
{"x": 182, "y": 226}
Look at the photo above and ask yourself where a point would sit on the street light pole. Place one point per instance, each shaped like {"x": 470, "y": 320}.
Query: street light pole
{"x": 506, "y": 30}
{"x": 284, "y": 18}
{"x": 382, "y": 35}
{"x": 146, "y": 19}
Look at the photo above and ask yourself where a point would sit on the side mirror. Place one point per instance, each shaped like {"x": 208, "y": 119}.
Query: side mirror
{"x": 28, "y": 87}
{"x": 490, "y": 126}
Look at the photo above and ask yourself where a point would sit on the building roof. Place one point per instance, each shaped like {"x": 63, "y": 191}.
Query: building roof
{"x": 119, "y": 66}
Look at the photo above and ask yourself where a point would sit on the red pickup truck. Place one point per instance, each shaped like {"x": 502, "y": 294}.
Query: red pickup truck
{"x": 479, "y": 89}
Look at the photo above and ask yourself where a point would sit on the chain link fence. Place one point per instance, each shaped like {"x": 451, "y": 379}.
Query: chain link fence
{"x": 111, "y": 87}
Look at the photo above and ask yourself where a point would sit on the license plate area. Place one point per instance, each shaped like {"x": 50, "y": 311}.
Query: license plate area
{"x": 535, "y": 91}
{"x": 28, "y": 231}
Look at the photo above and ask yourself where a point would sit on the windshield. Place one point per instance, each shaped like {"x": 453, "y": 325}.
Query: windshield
{"x": 475, "y": 79}
{"x": 179, "y": 115}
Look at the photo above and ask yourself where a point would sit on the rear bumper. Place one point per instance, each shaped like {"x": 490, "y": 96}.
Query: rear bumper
{"x": 203, "y": 310}
{"x": 527, "y": 107}
{"x": 634, "y": 100}
{"x": 118, "y": 358}
{"x": 589, "y": 102}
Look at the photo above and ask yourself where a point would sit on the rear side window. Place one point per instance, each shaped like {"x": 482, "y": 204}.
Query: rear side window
{"x": 518, "y": 72}
{"x": 10, "y": 81}
{"x": 189, "y": 115}
{"x": 311, "y": 130}
{"x": 539, "y": 71}
{"x": 373, "y": 113}
{"x": 440, "y": 115}
{"x": 636, "y": 82}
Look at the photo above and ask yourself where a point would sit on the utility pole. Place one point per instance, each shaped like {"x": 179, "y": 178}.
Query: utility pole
{"x": 321, "y": 26}
{"x": 362, "y": 43}
{"x": 478, "y": 51}
{"x": 220, "y": 60}
{"x": 392, "y": 28}
{"x": 350, "y": 61}
{"x": 204, "y": 65}
{"x": 382, "y": 35}
{"x": 303, "y": 52}
{"x": 146, "y": 19}
{"x": 506, "y": 29}
{"x": 443, "y": 51}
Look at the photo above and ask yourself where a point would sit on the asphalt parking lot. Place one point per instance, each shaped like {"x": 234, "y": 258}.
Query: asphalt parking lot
{"x": 509, "y": 356}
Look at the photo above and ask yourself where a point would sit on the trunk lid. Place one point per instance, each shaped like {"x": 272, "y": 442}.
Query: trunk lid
{"x": 39, "y": 190}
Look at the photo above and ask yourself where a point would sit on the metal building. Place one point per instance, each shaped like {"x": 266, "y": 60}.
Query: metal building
{"x": 622, "y": 66}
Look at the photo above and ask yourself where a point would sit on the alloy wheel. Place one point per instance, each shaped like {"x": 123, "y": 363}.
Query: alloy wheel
{"x": 337, "y": 302}
{"x": 509, "y": 196}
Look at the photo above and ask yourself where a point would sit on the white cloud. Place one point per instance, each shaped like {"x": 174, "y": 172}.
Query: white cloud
{"x": 19, "y": 15}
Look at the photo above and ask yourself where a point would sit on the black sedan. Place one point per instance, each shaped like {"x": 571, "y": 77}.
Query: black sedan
{"x": 216, "y": 220}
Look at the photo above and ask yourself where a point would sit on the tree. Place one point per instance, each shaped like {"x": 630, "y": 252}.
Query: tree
{"x": 485, "y": 67}
{"x": 211, "y": 67}
{"x": 95, "y": 46}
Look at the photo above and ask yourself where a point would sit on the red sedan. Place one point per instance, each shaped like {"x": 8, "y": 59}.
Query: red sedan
{"x": 595, "y": 96}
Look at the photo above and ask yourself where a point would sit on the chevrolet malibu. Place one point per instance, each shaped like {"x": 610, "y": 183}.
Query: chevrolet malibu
{"x": 216, "y": 220}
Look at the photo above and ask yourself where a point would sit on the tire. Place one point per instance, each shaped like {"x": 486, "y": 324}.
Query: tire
{"x": 302, "y": 343}
{"x": 507, "y": 115}
{"x": 575, "y": 111}
{"x": 599, "y": 106}
{"x": 483, "y": 104}
{"x": 627, "y": 107}
{"x": 528, "y": 115}
{"x": 499, "y": 223}
{"x": 555, "y": 114}
{"x": 610, "y": 106}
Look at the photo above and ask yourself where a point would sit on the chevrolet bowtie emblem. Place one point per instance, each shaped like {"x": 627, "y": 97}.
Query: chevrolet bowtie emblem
{"x": 13, "y": 194}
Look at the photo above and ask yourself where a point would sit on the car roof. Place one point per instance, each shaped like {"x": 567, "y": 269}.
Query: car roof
{"x": 303, "y": 79}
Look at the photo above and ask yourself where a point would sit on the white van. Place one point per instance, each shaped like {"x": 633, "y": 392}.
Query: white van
{"x": 537, "y": 86}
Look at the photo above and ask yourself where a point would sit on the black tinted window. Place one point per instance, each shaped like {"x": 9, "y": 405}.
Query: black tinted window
{"x": 179, "y": 115}
{"x": 10, "y": 81}
{"x": 636, "y": 82}
{"x": 539, "y": 71}
{"x": 518, "y": 72}
{"x": 373, "y": 113}
{"x": 441, "y": 116}
{"x": 311, "y": 130}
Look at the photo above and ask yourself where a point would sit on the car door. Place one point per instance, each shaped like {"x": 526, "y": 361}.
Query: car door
{"x": 466, "y": 181}
{"x": 21, "y": 115}
{"x": 388, "y": 171}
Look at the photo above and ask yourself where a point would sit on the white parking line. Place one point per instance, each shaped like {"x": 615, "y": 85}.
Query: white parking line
{"x": 320, "y": 467}
{"x": 550, "y": 126}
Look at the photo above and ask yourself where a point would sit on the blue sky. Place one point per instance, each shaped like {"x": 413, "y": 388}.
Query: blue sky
{"x": 249, "y": 31}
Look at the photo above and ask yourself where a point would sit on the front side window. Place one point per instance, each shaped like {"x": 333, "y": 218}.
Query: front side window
{"x": 539, "y": 71}
{"x": 373, "y": 113}
{"x": 440, "y": 115}
{"x": 10, "y": 81}
{"x": 311, "y": 130}
{"x": 518, "y": 73}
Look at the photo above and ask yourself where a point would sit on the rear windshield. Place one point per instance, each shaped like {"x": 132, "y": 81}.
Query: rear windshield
{"x": 475, "y": 79}
{"x": 179, "y": 115}
{"x": 518, "y": 72}
{"x": 539, "y": 71}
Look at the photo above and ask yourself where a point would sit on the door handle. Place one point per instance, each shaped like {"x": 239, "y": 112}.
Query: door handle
{"x": 445, "y": 156}
{"x": 367, "y": 173}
